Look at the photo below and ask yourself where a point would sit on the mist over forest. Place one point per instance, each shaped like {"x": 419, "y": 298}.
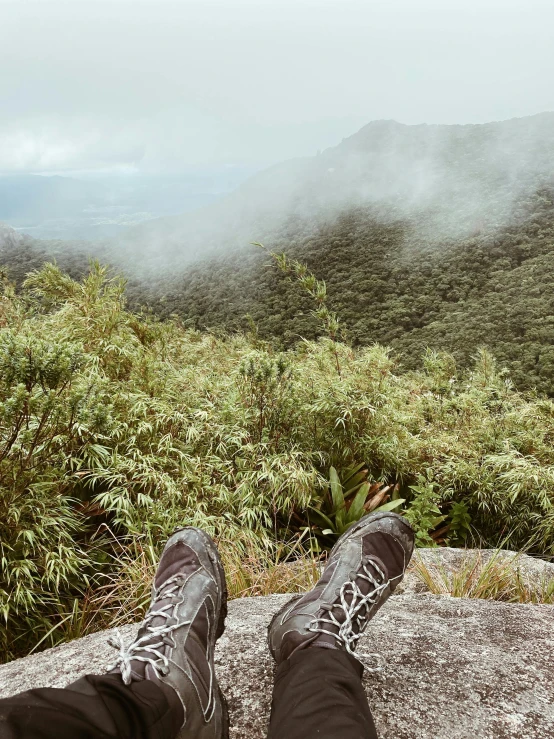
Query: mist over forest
{"x": 427, "y": 236}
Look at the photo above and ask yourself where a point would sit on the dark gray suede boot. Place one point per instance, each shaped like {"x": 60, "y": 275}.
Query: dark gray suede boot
{"x": 364, "y": 567}
{"x": 175, "y": 643}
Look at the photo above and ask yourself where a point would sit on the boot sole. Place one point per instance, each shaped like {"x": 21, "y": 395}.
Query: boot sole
{"x": 224, "y": 714}
{"x": 277, "y": 615}
{"x": 219, "y": 631}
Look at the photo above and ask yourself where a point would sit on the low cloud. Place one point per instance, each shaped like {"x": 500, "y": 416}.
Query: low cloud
{"x": 163, "y": 85}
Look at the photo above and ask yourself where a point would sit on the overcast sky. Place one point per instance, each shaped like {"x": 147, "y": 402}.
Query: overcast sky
{"x": 163, "y": 86}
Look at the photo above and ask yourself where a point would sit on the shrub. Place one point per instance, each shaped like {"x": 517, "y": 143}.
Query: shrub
{"x": 116, "y": 428}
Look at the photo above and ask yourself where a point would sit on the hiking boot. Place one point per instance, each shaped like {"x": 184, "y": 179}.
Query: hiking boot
{"x": 175, "y": 643}
{"x": 364, "y": 567}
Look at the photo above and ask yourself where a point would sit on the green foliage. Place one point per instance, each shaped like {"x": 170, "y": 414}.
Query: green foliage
{"x": 423, "y": 511}
{"x": 51, "y": 412}
{"x": 460, "y": 521}
{"x": 396, "y": 279}
{"x": 499, "y": 577}
{"x": 264, "y": 384}
{"x": 317, "y": 290}
{"x": 350, "y": 496}
{"x": 115, "y": 428}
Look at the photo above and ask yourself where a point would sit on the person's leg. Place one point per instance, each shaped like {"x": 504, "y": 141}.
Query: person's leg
{"x": 163, "y": 681}
{"x": 319, "y": 693}
{"x": 96, "y": 706}
{"x": 318, "y": 689}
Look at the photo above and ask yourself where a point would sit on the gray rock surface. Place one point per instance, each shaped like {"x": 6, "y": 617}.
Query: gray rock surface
{"x": 455, "y": 668}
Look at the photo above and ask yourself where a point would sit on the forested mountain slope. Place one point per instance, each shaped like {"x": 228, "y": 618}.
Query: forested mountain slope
{"x": 437, "y": 236}
{"x": 493, "y": 288}
{"x": 21, "y": 253}
{"x": 451, "y": 180}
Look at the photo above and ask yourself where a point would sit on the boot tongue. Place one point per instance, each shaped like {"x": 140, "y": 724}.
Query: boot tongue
{"x": 179, "y": 560}
{"x": 357, "y": 584}
{"x": 142, "y": 670}
{"x": 391, "y": 554}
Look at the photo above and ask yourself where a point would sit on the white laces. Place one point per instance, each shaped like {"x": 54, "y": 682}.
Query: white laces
{"x": 355, "y": 609}
{"x": 146, "y": 645}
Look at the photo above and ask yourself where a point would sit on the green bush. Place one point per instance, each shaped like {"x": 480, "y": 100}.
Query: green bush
{"x": 115, "y": 428}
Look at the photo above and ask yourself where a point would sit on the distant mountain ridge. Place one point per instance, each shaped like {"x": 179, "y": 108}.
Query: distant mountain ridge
{"x": 439, "y": 236}
{"x": 404, "y": 168}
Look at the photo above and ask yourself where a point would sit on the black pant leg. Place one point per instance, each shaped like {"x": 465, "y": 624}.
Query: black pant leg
{"x": 319, "y": 693}
{"x": 94, "y": 707}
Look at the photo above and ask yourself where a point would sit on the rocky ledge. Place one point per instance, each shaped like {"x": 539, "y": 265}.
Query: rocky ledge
{"x": 456, "y": 668}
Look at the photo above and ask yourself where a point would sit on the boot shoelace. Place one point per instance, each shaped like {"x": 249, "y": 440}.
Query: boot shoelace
{"x": 156, "y": 658}
{"x": 355, "y": 605}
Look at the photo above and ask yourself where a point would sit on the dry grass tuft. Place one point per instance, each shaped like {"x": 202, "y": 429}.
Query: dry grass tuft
{"x": 251, "y": 570}
{"x": 497, "y": 578}
{"x": 255, "y": 575}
